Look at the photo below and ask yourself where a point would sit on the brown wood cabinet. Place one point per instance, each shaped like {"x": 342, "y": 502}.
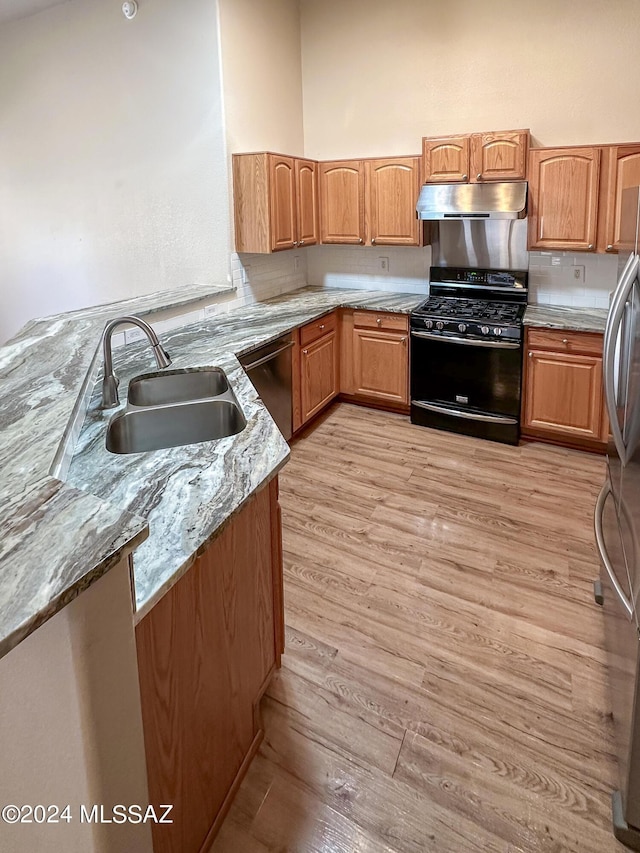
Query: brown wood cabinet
{"x": 206, "y": 652}
{"x": 318, "y": 366}
{"x": 490, "y": 156}
{"x": 563, "y": 391}
{"x": 370, "y": 202}
{"x": 374, "y": 358}
{"x": 563, "y": 198}
{"x": 620, "y": 170}
{"x": 275, "y": 202}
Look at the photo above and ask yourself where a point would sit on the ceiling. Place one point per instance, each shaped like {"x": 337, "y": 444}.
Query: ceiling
{"x": 11, "y": 10}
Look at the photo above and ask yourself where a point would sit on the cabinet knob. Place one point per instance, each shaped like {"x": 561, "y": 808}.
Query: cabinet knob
{"x": 379, "y": 320}
{"x": 360, "y": 240}
{"x": 465, "y": 177}
{"x": 301, "y": 243}
{"x": 373, "y": 241}
{"x": 609, "y": 248}
{"x": 530, "y": 355}
{"x": 305, "y": 352}
{"x": 565, "y": 341}
{"x": 590, "y": 246}
{"x": 479, "y": 176}
{"x": 321, "y": 326}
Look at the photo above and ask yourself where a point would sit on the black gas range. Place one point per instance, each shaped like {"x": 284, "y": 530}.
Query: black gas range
{"x": 466, "y": 353}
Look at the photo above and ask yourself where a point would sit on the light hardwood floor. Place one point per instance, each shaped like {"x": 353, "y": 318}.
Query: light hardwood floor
{"x": 443, "y": 686}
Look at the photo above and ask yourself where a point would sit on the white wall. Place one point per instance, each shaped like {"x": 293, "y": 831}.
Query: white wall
{"x": 71, "y": 725}
{"x": 378, "y": 76}
{"x": 113, "y": 178}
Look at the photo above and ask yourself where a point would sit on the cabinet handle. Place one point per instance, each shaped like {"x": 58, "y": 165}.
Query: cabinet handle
{"x": 590, "y": 246}
{"x": 465, "y": 177}
{"x": 479, "y": 176}
{"x": 609, "y": 248}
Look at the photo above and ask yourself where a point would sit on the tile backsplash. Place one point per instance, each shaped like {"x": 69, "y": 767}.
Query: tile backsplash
{"x": 394, "y": 268}
{"x": 578, "y": 279}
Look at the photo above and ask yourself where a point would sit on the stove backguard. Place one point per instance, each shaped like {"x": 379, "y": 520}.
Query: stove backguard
{"x": 497, "y": 244}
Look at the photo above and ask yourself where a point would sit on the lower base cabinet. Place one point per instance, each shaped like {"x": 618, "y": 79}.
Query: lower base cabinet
{"x": 206, "y": 652}
{"x": 375, "y": 358}
{"x": 563, "y": 390}
{"x": 318, "y": 365}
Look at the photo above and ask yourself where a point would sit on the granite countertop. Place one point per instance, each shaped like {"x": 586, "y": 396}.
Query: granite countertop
{"x": 61, "y": 492}
{"x": 565, "y": 317}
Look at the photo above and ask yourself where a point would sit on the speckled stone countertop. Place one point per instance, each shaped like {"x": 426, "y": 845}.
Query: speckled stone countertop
{"x": 62, "y": 532}
{"x": 561, "y": 317}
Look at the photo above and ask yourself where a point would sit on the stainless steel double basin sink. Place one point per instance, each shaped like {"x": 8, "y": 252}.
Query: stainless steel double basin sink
{"x": 174, "y": 408}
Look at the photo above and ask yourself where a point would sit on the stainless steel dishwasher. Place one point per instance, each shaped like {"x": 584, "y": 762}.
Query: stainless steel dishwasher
{"x": 269, "y": 368}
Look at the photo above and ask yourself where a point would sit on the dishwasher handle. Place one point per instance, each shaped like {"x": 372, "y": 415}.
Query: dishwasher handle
{"x": 268, "y": 357}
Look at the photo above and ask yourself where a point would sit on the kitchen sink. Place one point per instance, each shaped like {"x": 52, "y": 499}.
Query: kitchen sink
{"x": 177, "y": 386}
{"x": 153, "y": 428}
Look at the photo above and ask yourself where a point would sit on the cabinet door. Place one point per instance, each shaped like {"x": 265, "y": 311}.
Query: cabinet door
{"x": 393, "y": 188}
{"x": 319, "y": 374}
{"x": 623, "y": 171}
{"x": 564, "y": 394}
{"x": 381, "y": 365}
{"x": 563, "y": 192}
{"x": 282, "y": 205}
{"x": 307, "y": 202}
{"x": 342, "y": 202}
{"x": 445, "y": 159}
{"x": 499, "y": 156}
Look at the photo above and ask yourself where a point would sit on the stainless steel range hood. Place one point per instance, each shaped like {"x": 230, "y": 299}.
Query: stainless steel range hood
{"x": 498, "y": 200}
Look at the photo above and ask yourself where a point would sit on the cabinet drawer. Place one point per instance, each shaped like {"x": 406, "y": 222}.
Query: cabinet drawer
{"x": 559, "y": 340}
{"x": 380, "y": 320}
{"x": 312, "y": 331}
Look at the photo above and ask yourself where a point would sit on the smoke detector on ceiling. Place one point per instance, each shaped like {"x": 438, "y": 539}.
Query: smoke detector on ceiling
{"x": 129, "y": 9}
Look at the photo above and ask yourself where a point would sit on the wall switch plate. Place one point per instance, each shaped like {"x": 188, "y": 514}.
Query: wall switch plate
{"x": 555, "y": 261}
{"x": 383, "y": 264}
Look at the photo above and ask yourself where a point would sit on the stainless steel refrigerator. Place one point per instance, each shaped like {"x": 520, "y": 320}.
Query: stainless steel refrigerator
{"x": 617, "y": 521}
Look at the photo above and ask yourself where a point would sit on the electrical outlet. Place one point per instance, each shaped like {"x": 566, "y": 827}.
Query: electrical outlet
{"x": 578, "y": 273}
{"x": 131, "y": 335}
{"x": 556, "y": 261}
{"x": 210, "y": 310}
{"x": 296, "y": 263}
{"x": 245, "y": 274}
{"x": 383, "y": 264}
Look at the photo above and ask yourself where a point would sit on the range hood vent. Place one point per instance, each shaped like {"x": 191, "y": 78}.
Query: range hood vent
{"x": 498, "y": 200}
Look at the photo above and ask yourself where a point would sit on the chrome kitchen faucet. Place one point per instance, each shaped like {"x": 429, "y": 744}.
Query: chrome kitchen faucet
{"x": 110, "y": 380}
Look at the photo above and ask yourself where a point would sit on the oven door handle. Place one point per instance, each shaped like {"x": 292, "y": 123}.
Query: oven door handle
{"x": 467, "y": 342}
{"x": 461, "y": 413}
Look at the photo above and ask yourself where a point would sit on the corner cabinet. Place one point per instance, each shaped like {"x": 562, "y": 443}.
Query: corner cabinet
{"x": 374, "y": 364}
{"x": 620, "y": 170}
{"x": 563, "y": 391}
{"x": 370, "y": 202}
{"x": 318, "y": 366}
{"x": 206, "y": 652}
{"x": 564, "y": 186}
{"x": 275, "y": 201}
{"x": 476, "y": 157}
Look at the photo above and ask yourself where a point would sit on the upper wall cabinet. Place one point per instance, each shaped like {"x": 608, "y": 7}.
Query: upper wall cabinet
{"x": 620, "y": 170}
{"x": 370, "y": 202}
{"x": 275, "y": 202}
{"x": 475, "y": 157}
{"x": 563, "y": 198}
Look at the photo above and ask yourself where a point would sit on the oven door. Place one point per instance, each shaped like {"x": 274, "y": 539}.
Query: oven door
{"x": 468, "y": 385}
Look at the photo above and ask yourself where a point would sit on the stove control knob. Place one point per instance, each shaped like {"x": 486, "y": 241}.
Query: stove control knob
{"x": 428, "y": 324}
{"x": 484, "y": 330}
{"x": 439, "y": 325}
{"x": 462, "y": 327}
{"x": 497, "y": 331}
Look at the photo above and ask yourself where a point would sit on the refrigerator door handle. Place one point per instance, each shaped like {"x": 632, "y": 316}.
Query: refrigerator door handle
{"x": 612, "y": 330}
{"x": 606, "y": 562}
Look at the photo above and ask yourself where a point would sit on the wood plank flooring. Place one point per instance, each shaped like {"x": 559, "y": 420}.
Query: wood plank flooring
{"x": 443, "y": 687}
